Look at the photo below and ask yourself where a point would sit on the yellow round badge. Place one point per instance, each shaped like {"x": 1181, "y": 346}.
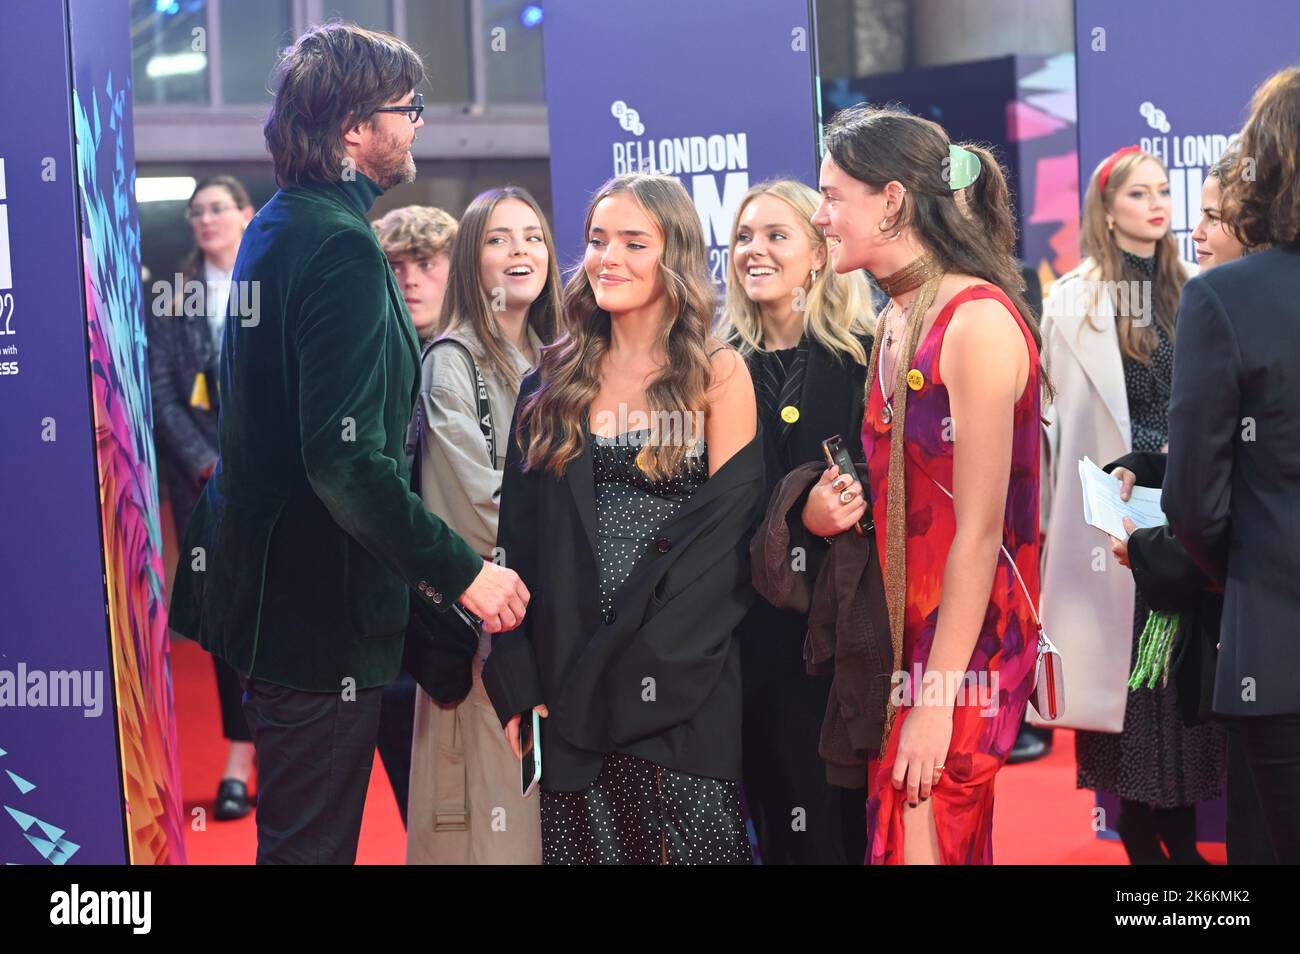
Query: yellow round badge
{"x": 915, "y": 379}
{"x": 789, "y": 414}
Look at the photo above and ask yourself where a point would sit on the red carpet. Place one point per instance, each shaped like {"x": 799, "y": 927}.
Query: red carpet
{"x": 203, "y": 757}
{"x": 1041, "y": 818}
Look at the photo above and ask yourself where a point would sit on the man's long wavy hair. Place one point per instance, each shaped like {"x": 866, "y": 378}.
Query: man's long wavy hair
{"x": 1261, "y": 196}
{"x": 334, "y": 77}
{"x": 556, "y": 414}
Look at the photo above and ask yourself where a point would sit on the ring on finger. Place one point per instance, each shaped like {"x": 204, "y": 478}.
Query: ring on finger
{"x": 846, "y": 495}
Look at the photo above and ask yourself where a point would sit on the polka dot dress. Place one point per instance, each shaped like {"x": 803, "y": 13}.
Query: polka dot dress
{"x": 636, "y": 812}
{"x": 1156, "y": 759}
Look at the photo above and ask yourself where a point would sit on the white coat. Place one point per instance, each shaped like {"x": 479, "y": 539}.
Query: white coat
{"x": 1087, "y": 597}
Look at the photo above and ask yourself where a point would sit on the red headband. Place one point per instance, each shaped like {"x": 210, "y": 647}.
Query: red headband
{"x": 1104, "y": 175}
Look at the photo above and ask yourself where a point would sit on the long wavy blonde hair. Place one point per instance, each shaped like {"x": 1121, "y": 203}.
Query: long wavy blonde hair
{"x": 1137, "y": 340}
{"x": 556, "y": 414}
{"x": 836, "y": 307}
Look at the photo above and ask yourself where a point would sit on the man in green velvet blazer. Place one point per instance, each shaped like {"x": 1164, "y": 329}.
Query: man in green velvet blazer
{"x": 297, "y": 563}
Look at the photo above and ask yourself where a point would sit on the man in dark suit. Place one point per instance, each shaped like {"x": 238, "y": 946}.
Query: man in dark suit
{"x": 296, "y": 564}
{"x": 1232, "y": 485}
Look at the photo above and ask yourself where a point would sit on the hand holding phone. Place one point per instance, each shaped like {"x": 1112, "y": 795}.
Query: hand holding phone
{"x": 523, "y": 733}
{"x": 837, "y": 455}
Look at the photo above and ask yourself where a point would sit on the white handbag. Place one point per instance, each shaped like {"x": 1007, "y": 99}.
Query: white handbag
{"x": 1048, "y": 691}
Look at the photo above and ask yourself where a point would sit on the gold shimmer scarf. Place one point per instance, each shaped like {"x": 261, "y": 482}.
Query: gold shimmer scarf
{"x": 926, "y": 273}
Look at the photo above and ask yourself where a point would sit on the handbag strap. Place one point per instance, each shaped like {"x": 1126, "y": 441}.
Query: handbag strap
{"x": 1014, "y": 569}
{"x": 481, "y": 399}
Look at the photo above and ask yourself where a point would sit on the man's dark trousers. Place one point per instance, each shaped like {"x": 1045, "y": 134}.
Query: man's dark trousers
{"x": 314, "y": 754}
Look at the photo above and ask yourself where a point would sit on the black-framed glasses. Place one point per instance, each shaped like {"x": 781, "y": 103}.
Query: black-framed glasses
{"x": 412, "y": 112}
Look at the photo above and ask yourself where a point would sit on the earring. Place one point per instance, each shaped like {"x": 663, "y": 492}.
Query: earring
{"x": 813, "y": 275}
{"x": 1110, "y": 225}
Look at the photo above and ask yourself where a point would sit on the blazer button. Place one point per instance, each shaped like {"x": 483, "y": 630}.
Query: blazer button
{"x": 663, "y": 544}
{"x": 422, "y": 586}
{"x": 609, "y": 617}
{"x": 435, "y": 596}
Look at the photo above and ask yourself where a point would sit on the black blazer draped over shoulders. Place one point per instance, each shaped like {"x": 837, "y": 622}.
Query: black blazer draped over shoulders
{"x": 657, "y": 677}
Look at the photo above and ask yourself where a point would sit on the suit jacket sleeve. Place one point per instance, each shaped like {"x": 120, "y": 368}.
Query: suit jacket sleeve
{"x": 510, "y": 674}
{"x": 180, "y": 437}
{"x": 1147, "y": 466}
{"x": 1204, "y": 414}
{"x": 343, "y": 385}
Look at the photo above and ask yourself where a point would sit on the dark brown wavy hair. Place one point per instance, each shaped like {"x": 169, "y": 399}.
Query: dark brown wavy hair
{"x": 336, "y": 75}
{"x": 466, "y": 303}
{"x": 971, "y": 231}
{"x": 1261, "y": 191}
{"x": 557, "y": 413}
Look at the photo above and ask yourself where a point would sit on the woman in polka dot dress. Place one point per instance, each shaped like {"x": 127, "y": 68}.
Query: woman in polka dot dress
{"x": 632, "y": 486}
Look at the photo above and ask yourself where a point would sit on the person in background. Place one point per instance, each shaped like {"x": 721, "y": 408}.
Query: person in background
{"x": 463, "y": 774}
{"x": 801, "y": 329}
{"x": 636, "y": 541}
{"x": 184, "y": 353}
{"x": 1171, "y": 582}
{"x": 1108, "y": 340}
{"x": 1233, "y": 477}
{"x": 416, "y": 240}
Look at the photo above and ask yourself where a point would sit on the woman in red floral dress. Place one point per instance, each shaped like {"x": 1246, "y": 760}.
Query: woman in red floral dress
{"x": 955, "y": 368}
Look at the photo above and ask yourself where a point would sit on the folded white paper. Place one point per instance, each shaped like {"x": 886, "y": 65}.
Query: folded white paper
{"x": 1103, "y": 509}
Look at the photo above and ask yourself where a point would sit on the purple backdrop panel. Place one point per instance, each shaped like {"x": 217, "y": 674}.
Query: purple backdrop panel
{"x": 60, "y": 787}
{"x": 1137, "y": 86}
{"x": 718, "y": 94}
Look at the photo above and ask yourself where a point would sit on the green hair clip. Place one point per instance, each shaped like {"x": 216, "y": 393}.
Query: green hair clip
{"x": 963, "y": 168}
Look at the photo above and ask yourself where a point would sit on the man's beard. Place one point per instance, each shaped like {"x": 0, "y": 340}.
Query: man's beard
{"x": 394, "y": 166}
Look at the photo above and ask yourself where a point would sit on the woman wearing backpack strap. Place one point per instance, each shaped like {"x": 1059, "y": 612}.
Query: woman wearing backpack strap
{"x": 501, "y": 306}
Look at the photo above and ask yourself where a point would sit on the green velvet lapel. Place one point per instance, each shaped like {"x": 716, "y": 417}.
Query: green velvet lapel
{"x": 357, "y": 196}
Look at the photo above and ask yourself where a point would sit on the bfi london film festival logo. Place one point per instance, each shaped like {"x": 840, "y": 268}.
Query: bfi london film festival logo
{"x": 8, "y": 361}
{"x": 1188, "y": 158}
{"x": 713, "y": 168}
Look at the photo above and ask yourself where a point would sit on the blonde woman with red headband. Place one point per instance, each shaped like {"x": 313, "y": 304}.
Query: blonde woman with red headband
{"x": 1108, "y": 340}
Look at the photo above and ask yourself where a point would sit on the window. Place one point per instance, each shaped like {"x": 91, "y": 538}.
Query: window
{"x": 250, "y": 39}
{"x": 169, "y": 51}
{"x": 511, "y": 46}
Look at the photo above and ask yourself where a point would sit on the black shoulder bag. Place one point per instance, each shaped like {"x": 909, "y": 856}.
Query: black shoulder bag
{"x": 441, "y": 644}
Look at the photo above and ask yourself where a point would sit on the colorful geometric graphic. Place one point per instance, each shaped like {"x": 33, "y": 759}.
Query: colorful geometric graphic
{"x": 128, "y": 488}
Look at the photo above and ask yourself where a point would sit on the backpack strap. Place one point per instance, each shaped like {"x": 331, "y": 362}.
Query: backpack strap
{"x": 481, "y": 396}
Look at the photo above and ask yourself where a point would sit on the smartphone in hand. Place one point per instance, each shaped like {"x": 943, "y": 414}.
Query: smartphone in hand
{"x": 530, "y": 744}
{"x": 837, "y": 455}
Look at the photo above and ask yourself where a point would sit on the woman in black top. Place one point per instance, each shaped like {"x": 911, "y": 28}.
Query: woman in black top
{"x": 632, "y": 487}
{"x": 799, "y": 326}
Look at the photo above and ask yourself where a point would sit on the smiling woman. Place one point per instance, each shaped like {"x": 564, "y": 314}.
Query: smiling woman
{"x": 501, "y": 307}
{"x": 644, "y": 572}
